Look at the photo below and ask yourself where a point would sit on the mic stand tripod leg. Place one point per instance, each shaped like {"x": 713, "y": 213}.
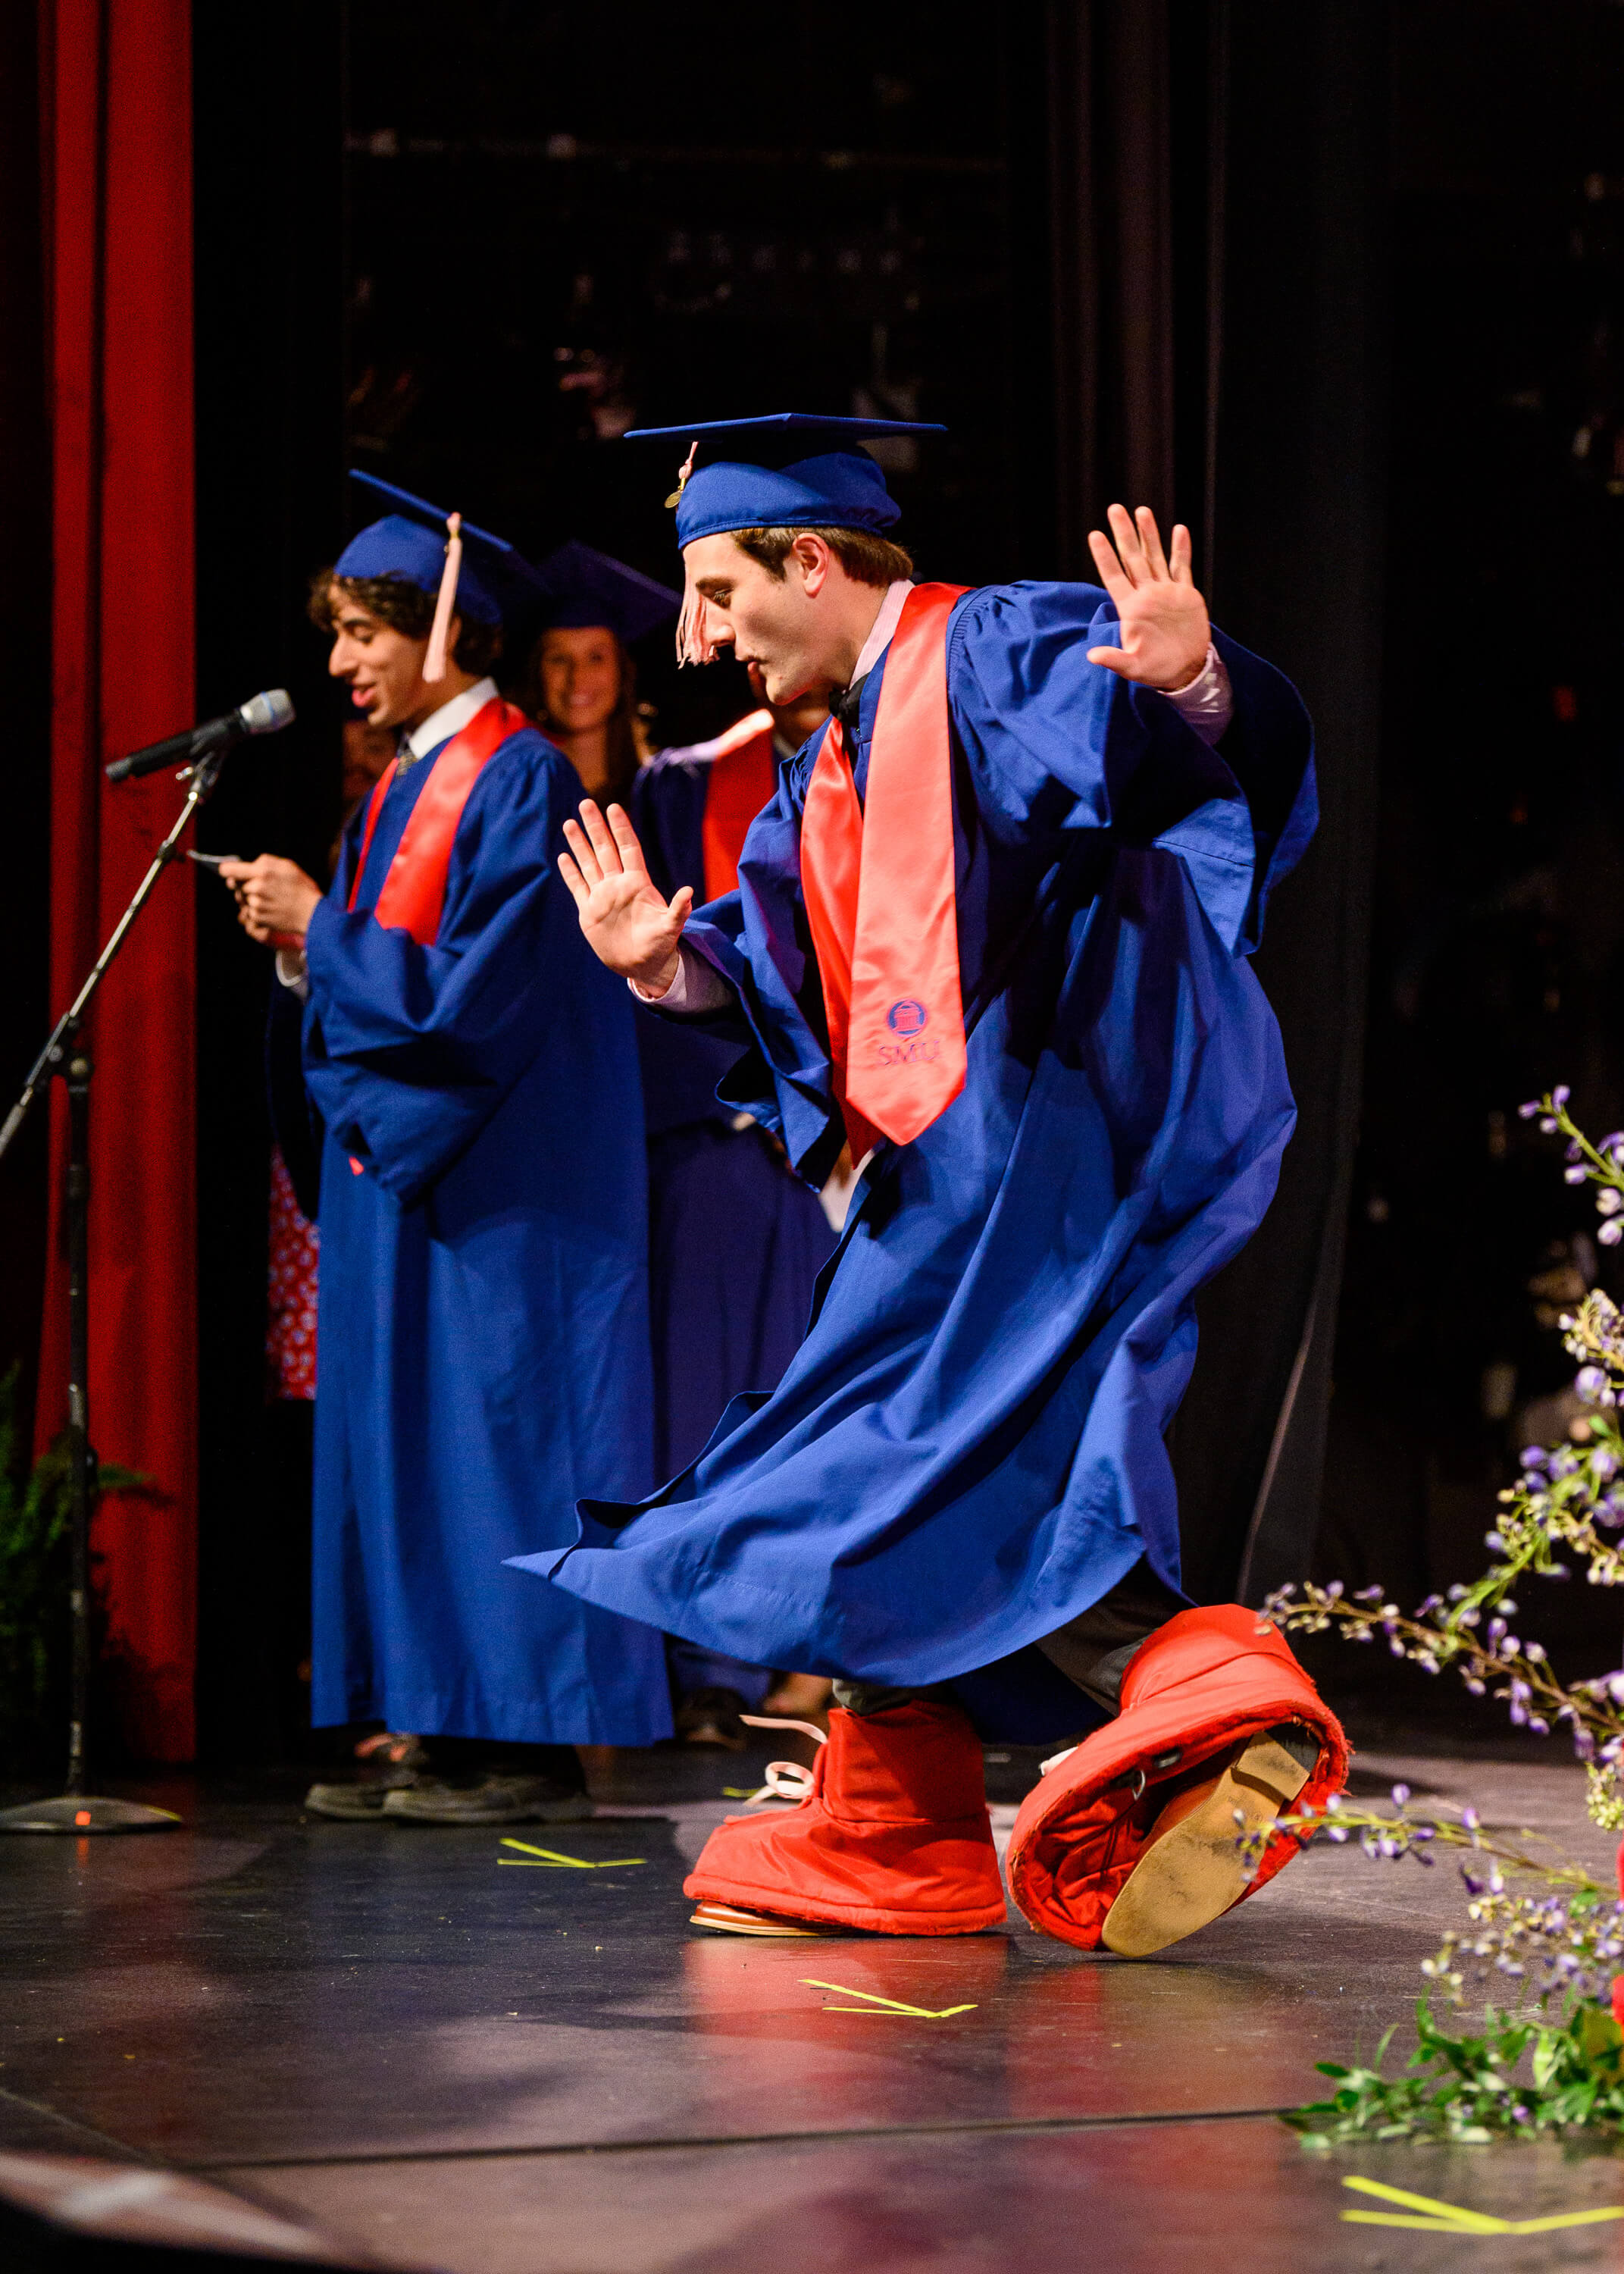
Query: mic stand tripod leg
{"x": 74, "y": 1809}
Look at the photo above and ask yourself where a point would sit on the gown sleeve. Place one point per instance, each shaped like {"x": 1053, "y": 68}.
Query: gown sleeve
{"x": 1054, "y": 741}
{"x": 409, "y": 1051}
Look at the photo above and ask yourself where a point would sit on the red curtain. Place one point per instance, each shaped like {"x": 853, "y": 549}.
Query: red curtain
{"x": 117, "y": 112}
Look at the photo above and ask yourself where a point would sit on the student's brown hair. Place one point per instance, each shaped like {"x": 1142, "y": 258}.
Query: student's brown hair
{"x": 405, "y": 608}
{"x": 866, "y": 559}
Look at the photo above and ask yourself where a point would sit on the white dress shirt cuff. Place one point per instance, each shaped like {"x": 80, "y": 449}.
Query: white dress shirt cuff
{"x": 698, "y": 988}
{"x": 1208, "y": 704}
{"x": 292, "y": 970}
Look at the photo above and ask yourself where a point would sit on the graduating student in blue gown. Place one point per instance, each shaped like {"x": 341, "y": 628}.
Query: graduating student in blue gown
{"x": 483, "y": 1340}
{"x": 966, "y": 1453}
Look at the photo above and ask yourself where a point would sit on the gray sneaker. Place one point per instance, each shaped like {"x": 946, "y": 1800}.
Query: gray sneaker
{"x": 494, "y": 1800}
{"x": 354, "y": 1803}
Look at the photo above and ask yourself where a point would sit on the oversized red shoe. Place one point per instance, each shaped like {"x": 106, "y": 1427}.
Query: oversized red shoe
{"x": 1131, "y": 1840}
{"x": 894, "y": 1836}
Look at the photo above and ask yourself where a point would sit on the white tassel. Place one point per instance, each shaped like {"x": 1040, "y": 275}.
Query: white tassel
{"x": 434, "y": 661}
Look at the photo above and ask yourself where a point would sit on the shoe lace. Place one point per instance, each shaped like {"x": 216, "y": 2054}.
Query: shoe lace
{"x": 785, "y": 1780}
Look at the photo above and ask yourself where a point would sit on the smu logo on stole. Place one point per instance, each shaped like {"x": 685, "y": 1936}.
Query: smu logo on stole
{"x": 907, "y": 1019}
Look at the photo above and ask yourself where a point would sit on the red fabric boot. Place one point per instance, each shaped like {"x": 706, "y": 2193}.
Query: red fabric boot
{"x": 894, "y": 1837}
{"x": 1160, "y": 1787}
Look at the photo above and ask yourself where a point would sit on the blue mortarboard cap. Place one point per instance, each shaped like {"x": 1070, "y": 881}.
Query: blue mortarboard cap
{"x": 791, "y": 470}
{"x": 495, "y": 581}
{"x": 587, "y": 587}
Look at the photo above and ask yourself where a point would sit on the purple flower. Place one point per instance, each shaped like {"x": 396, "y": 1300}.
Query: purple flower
{"x": 1471, "y": 1818}
{"x": 1574, "y": 1175}
{"x": 1611, "y": 1232}
{"x": 1609, "y": 1201}
{"x": 1590, "y": 1382}
{"x": 1604, "y": 1464}
{"x": 1527, "y": 1112}
{"x": 1547, "y": 1128}
{"x": 1561, "y": 1095}
{"x": 1400, "y": 1795}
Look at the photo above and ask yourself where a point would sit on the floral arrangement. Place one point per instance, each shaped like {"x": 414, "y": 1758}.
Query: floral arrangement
{"x": 1554, "y": 2058}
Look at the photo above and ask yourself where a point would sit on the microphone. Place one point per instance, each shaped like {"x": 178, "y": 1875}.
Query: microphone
{"x": 261, "y": 714}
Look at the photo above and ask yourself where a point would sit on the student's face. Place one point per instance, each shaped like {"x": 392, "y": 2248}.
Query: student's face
{"x": 772, "y": 622}
{"x": 580, "y": 670}
{"x": 384, "y": 669}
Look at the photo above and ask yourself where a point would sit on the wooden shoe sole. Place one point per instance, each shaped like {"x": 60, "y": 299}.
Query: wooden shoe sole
{"x": 728, "y": 1918}
{"x": 1191, "y": 1873}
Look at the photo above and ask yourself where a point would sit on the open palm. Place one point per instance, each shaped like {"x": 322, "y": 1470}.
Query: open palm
{"x": 1163, "y": 630}
{"x": 628, "y": 923}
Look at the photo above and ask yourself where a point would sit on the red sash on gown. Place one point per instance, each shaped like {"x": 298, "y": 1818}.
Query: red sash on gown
{"x": 414, "y": 891}
{"x": 878, "y": 883}
{"x": 739, "y": 779}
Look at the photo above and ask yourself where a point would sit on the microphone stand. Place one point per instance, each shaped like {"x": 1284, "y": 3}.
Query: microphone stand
{"x": 75, "y": 1810}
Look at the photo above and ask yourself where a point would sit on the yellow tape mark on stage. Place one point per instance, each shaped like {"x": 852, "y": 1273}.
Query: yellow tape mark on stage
{"x": 878, "y": 2004}
{"x": 549, "y": 1859}
{"x": 1455, "y": 2218}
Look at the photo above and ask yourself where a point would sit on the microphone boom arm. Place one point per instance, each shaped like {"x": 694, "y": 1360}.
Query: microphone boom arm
{"x": 201, "y": 779}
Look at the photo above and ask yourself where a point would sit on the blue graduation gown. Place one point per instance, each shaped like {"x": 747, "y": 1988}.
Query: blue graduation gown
{"x": 967, "y": 1449}
{"x": 736, "y": 1240}
{"x": 482, "y": 1345}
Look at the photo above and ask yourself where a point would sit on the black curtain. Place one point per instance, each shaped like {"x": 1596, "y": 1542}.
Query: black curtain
{"x": 268, "y": 81}
{"x": 1218, "y": 185}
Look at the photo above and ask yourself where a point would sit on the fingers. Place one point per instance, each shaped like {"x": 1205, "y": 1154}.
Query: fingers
{"x": 682, "y": 905}
{"x": 1114, "y": 658}
{"x": 1150, "y": 541}
{"x": 1109, "y": 568}
{"x": 603, "y": 846}
{"x": 625, "y": 841}
{"x": 1183, "y": 573}
{"x": 1126, "y": 538}
{"x": 575, "y": 837}
{"x": 574, "y": 883}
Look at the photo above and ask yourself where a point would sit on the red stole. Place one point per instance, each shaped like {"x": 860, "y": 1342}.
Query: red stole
{"x": 739, "y": 781}
{"x": 879, "y": 884}
{"x": 414, "y": 891}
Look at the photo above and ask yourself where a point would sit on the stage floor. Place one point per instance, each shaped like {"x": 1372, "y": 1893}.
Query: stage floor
{"x": 431, "y": 2051}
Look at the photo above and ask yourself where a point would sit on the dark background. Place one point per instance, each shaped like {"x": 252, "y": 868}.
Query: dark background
{"x": 1340, "y": 285}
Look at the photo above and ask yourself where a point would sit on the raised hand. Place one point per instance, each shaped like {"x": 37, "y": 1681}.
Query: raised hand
{"x": 628, "y": 924}
{"x": 1164, "y": 631}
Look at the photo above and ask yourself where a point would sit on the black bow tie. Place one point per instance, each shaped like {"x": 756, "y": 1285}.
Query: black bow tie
{"x": 846, "y": 706}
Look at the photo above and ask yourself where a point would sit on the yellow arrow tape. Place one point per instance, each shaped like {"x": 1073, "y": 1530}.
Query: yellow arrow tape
{"x": 876, "y": 2004}
{"x": 1455, "y": 2219}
